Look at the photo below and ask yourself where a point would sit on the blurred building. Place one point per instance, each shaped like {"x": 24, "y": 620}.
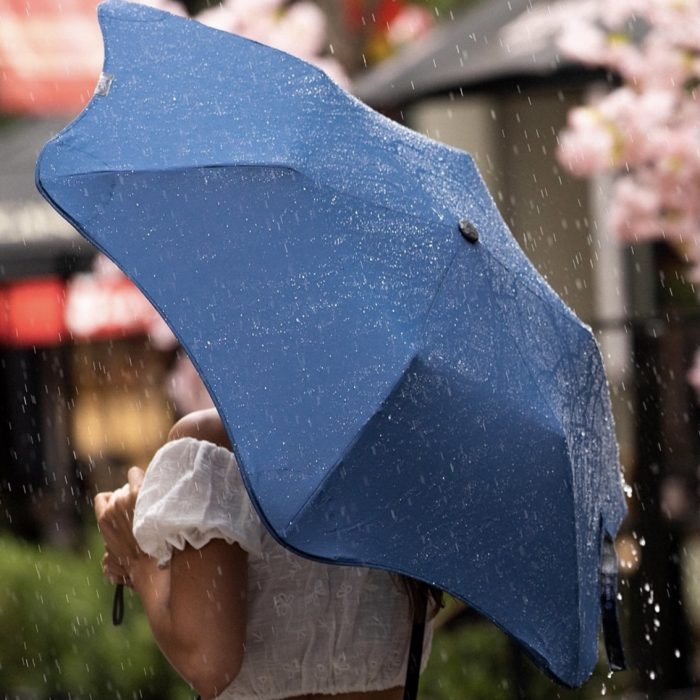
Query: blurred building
{"x": 81, "y": 394}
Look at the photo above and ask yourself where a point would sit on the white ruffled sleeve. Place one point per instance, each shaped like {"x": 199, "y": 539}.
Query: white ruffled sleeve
{"x": 193, "y": 493}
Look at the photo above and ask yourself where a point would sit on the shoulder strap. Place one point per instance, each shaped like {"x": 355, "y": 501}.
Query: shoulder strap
{"x": 608, "y": 605}
{"x": 415, "y": 653}
{"x": 118, "y": 605}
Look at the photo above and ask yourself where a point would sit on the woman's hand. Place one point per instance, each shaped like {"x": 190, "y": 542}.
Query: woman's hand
{"x": 115, "y": 514}
{"x": 114, "y": 572}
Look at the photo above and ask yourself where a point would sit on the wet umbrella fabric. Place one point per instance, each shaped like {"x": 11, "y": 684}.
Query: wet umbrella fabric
{"x": 403, "y": 390}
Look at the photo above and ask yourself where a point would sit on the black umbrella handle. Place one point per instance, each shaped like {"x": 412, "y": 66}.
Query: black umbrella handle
{"x": 415, "y": 654}
{"x": 118, "y": 605}
{"x": 608, "y": 606}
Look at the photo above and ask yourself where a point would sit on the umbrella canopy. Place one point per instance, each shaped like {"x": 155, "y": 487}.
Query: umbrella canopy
{"x": 401, "y": 387}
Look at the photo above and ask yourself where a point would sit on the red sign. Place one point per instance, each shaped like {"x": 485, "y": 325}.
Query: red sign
{"x": 50, "y": 55}
{"x": 32, "y": 312}
{"x": 106, "y": 306}
{"x": 49, "y": 311}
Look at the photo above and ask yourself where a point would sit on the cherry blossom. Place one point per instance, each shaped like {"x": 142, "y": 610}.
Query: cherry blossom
{"x": 588, "y": 145}
{"x": 410, "y": 23}
{"x": 647, "y": 131}
{"x": 171, "y": 6}
{"x": 301, "y": 30}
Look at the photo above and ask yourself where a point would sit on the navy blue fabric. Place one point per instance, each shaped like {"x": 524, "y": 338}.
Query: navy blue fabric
{"x": 397, "y": 397}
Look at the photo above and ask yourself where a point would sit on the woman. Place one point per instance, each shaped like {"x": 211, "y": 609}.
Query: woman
{"x": 236, "y": 614}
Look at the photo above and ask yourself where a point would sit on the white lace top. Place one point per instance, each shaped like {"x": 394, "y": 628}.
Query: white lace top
{"x": 312, "y": 628}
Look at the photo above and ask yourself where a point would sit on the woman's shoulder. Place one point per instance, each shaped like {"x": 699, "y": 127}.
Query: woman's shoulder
{"x": 192, "y": 493}
{"x": 203, "y": 425}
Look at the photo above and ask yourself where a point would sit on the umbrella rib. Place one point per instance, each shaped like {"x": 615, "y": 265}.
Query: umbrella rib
{"x": 174, "y": 168}
{"x": 347, "y": 448}
{"x": 563, "y": 309}
{"x": 569, "y": 316}
{"x": 268, "y": 166}
{"x": 358, "y": 434}
{"x": 438, "y": 289}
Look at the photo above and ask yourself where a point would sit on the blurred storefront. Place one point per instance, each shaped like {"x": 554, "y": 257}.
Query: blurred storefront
{"x": 82, "y": 389}
{"x": 50, "y": 54}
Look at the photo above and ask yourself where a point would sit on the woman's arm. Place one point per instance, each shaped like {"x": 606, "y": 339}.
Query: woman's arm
{"x": 197, "y": 607}
{"x": 196, "y": 610}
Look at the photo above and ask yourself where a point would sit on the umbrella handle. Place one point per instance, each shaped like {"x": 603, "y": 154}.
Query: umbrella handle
{"x": 415, "y": 653}
{"x": 608, "y": 605}
{"x": 118, "y": 605}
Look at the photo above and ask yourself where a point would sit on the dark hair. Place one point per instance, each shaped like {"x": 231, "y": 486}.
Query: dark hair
{"x": 424, "y": 600}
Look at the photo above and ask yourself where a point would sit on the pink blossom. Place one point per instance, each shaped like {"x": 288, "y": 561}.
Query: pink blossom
{"x": 663, "y": 65}
{"x": 333, "y": 70}
{"x": 694, "y": 374}
{"x": 676, "y": 19}
{"x": 677, "y": 152}
{"x": 301, "y": 30}
{"x": 590, "y": 44}
{"x": 647, "y": 132}
{"x": 686, "y": 35}
{"x": 639, "y": 212}
{"x": 220, "y": 17}
{"x": 616, "y": 13}
{"x": 588, "y": 145}
{"x": 633, "y": 117}
{"x": 624, "y": 58}
{"x": 171, "y": 6}
{"x": 583, "y": 42}
{"x": 634, "y": 214}
{"x": 411, "y": 23}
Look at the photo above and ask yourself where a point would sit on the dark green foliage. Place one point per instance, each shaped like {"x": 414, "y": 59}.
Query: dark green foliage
{"x": 476, "y": 661}
{"x": 58, "y": 638}
{"x": 469, "y": 662}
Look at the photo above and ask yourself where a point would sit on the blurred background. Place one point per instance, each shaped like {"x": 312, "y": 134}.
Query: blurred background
{"x": 584, "y": 119}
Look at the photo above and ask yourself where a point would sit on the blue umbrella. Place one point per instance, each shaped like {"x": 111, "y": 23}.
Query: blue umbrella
{"x": 402, "y": 389}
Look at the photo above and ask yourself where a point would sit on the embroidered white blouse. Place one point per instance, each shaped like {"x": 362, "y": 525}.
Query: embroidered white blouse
{"x": 312, "y": 628}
